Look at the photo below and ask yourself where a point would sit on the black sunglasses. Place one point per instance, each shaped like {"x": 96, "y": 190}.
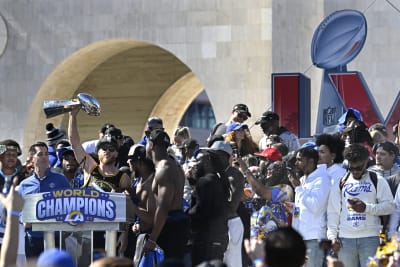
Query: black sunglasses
{"x": 355, "y": 169}
{"x": 68, "y": 157}
{"x": 109, "y": 148}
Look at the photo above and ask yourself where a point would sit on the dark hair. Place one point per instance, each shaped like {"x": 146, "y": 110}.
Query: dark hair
{"x": 334, "y": 143}
{"x": 63, "y": 143}
{"x": 275, "y": 138}
{"x": 285, "y": 247}
{"x": 358, "y": 133}
{"x": 105, "y": 126}
{"x": 388, "y": 147}
{"x": 309, "y": 153}
{"x": 32, "y": 148}
{"x": 282, "y": 148}
{"x": 356, "y": 153}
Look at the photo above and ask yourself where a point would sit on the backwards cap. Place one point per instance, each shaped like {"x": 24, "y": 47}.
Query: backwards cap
{"x": 9, "y": 144}
{"x": 242, "y": 108}
{"x": 160, "y": 138}
{"x": 268, "y": 116}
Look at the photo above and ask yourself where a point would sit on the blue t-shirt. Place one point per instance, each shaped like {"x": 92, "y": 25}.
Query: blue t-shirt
{"x": 144, "y": 140}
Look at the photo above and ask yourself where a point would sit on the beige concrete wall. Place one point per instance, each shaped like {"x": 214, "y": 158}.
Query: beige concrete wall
{"x": 231, "y": 46}
{"x": 226, "y": 43}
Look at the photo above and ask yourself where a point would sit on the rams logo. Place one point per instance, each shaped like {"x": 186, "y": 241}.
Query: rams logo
{"x": 74, "y": 218}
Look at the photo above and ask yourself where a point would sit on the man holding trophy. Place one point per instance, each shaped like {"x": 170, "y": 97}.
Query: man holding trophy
{"x": 104, "y": 176}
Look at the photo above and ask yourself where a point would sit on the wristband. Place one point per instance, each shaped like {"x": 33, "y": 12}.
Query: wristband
{"x": 14, "y": 213}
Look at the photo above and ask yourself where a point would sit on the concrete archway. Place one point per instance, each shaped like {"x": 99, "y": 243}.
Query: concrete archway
{"x": 131, "y": 79}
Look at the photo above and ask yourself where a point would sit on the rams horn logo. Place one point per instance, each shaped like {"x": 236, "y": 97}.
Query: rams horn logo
{"x": 74, "y": 218}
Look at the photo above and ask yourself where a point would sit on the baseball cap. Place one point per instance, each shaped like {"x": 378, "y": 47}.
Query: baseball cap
{"x": 137, "y": 152}
{"x": 351, "y": 112}
{"x": 270, "y": 153}
{"x": 65, "y": 150}
{"x": 160, "y": 138}
{"x": 242, "y": 108}
{"x": 222, "y": 146}
{"x": 234, "y": 126}
{"x": 310, "y": 144}
{"x": 106, "y": 140}
{"x": 55, "y": 258}
{"x": 154, "y": 121}
{"x": 378, "y": 127}
{"x": 9, "y": 144}
{"x": 353, "y": 125}
{"x": 268, "y": 116}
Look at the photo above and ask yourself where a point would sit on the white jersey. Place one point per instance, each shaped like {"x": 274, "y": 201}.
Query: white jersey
{"x": 311, "y": 199}
{"x": 347, "y": 223}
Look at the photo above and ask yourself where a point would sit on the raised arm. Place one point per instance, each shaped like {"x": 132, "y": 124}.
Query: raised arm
{"x": 256, "y": 185}
{"x": 13, "y": 203}
{"x": 81, "y": 156}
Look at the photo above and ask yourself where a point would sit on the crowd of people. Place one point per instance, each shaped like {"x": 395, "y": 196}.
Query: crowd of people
{"x": 233, "y": 201}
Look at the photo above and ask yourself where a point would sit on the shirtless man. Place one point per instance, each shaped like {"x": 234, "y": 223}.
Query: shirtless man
{"x": 144, "y": 205}
{"x": 170, "y": 224}
{"x": 144, "y": 201}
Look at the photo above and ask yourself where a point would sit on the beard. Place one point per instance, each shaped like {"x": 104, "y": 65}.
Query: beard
{"x": 108, "y": 160}
{"x": 70, "y": 170}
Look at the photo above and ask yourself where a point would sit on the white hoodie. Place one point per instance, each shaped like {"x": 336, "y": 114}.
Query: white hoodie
{"x": 346, "y": 223}
{"x": 311, "y": 199}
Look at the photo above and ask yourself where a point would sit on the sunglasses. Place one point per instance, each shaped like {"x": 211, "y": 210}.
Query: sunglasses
{"x": 68, "y": 157}
{"x": 109, "y": 148}
{"x": 356, "y": 169}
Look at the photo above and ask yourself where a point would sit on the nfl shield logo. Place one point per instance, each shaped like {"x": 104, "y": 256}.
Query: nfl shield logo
{"x": 329, "y": 116}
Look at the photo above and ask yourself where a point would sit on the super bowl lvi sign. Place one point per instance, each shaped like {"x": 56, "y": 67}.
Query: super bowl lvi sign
{"x": 74, "y": 208}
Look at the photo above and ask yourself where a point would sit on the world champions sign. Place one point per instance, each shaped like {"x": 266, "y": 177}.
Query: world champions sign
{"x": 77, "y": 210}
{"x": 75, "y": 206}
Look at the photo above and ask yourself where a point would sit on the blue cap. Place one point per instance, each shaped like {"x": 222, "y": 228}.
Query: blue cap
{"x": 351, "y": 111}
{"x": 234, "y": 126}
{"x": 55, "y": 258}
{"x": 309, "y": 144}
